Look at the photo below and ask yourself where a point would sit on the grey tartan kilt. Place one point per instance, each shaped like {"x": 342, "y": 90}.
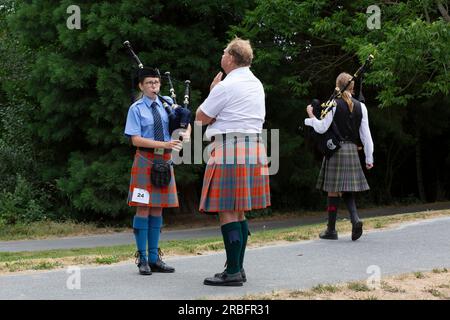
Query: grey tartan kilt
{"x": 343, "y": 171}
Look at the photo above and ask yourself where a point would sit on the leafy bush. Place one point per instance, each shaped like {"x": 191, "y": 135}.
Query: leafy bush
{"x": 22, "y": 205}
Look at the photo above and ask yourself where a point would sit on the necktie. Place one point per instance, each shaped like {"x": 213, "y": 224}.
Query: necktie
{"x": 158, "y": 127}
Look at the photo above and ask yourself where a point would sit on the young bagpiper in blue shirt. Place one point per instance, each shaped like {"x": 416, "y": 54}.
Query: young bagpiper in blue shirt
{"x": 148, "y": 128}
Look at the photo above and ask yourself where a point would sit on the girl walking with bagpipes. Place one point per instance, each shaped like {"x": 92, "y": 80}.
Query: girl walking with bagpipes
{"x": 342, "y": 129}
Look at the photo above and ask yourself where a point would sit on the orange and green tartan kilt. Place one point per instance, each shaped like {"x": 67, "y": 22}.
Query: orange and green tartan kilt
{"x": 236, "y": 176}
{"x": 140, "y": 178}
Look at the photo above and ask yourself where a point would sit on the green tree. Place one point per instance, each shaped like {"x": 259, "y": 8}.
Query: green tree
{"x": 65, "y": 93}
{"x": 81, "y": 82}
{"x": 23, "y": 195}
{"x": 301, "y": 46}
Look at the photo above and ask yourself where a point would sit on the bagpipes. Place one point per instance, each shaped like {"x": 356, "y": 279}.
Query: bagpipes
{"x": 179, "y": 116}
{"x": 329, "y": 142}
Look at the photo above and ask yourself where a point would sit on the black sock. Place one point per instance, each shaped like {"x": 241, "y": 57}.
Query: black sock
{"x": 349, "y": 200}
{"x": 333, "y": 203}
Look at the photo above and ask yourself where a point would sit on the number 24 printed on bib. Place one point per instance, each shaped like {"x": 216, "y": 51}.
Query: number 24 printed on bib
{"x": 140, "y": 196}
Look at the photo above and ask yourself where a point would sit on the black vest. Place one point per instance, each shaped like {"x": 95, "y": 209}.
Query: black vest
{"x": 347, "y": 122}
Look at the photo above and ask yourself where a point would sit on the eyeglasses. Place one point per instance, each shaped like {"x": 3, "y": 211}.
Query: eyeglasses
{"x": 151, "y": 82}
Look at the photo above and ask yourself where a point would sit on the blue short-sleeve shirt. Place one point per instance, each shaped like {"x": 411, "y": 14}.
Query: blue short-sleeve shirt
{"x": 140, "y": 119}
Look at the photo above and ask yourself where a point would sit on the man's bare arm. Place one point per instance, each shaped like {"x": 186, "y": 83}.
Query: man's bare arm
{"x": 203, "y": 118}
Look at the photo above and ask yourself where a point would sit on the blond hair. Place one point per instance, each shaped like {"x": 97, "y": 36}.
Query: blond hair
{"x": 341, "y": 82}
{"x": 241, "y": 50}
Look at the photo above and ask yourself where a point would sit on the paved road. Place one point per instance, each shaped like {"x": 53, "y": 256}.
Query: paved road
{"x": 128, "y": 238}
{"x": 417, "y": 246}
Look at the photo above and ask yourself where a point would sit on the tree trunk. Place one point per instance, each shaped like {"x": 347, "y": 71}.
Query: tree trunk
{"x": 389, "y": 173}
{"x": 420, "y": 185}
{"x": 427, "y": 16}
{"x": 440, "y": 191}
{"x": 443, "y": 11}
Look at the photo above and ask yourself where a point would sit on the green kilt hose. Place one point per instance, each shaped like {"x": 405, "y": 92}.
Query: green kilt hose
{"x": 343, "y": 171}
{"x": 140, "y": 178}
{"x": 236, "y": 176}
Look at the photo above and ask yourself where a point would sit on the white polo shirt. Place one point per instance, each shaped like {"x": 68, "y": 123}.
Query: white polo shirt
{"x": 237, "y": 103}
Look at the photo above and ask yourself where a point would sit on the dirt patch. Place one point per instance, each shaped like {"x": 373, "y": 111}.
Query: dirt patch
{"x": 431, "y": 285}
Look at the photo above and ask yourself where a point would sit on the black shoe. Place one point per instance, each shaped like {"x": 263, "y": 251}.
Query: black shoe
{"x": 357, "y": 230}
{"x": 329, "y": 235}
{"x": 142, "y": 264}
{"x": 243, "y": 275}
{"x": 160, "y": 266}
{"x": 225, "y": 279}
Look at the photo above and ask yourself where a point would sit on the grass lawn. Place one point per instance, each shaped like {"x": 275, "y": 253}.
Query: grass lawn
{"x": 51, "y": 229}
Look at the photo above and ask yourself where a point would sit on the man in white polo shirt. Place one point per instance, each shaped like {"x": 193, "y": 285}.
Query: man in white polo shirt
{"x": 236, "y": 177}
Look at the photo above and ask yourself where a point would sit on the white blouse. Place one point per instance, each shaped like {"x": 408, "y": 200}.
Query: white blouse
{"x": 321, "y": 126}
